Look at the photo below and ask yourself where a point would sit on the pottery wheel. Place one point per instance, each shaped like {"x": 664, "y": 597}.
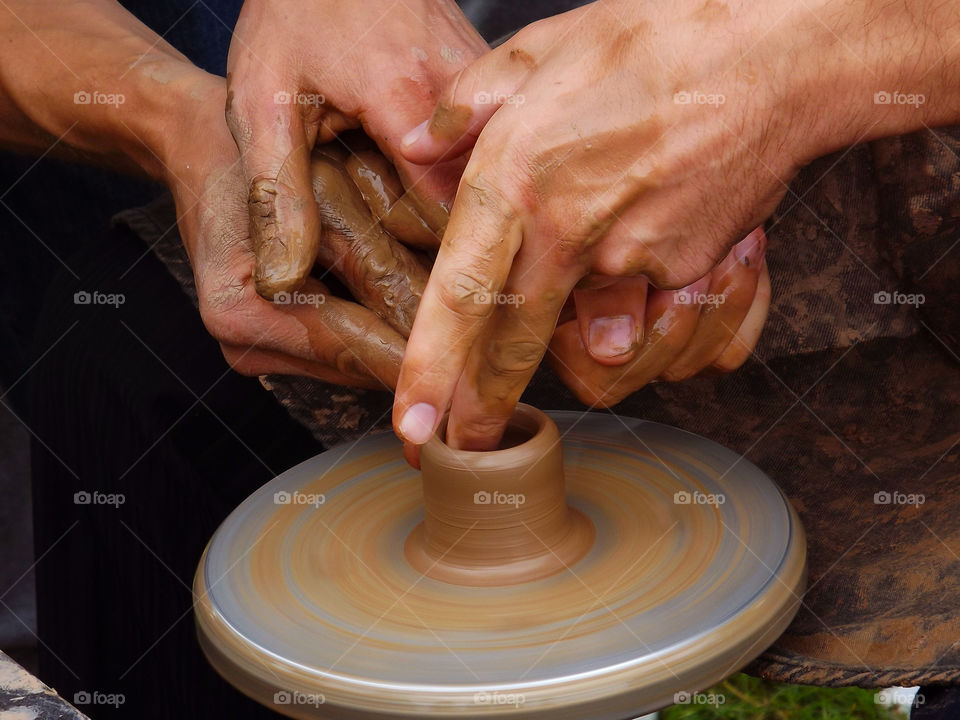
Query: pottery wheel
{"x": 306, "y": 599}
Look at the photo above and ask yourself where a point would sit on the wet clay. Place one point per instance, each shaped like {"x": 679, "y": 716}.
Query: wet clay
{"x": 696, "y": 566}
{"x": 283, "y": 259}
{"x": 450, "y": 122}
{"x": 369, "y": 223}
{"x": 435, "y": 214}
{"x": 498, "y": 517}
{"x": 383, "y": 274}
{"x": 384, "y": 194}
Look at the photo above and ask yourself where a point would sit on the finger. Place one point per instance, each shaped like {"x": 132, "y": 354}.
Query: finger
{"x": 508, "y": 352}
{"x": 668, "y": 327}
{"x": 472, "y": 265}
{"x": 611, "y": 319}
{"x": 411, "y": 453}
{"x": 384, "y": 194}
{"x": 733, "y": 285}
{"x": 743, "y": 343}
{"x": 310, "y": 325}
{"x": 404, "y": 104}
{"x": 469, "y": 100}
{"x": 381, "y": 273}
{"x": 432, "y": 204}
{"x": 255, "y": 362}
{"x": 274, "y": 133}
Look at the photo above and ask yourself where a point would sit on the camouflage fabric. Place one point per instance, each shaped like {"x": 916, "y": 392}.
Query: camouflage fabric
{"x": 851, "y": 404}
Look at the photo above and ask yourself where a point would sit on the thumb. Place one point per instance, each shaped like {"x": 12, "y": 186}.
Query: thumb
{"x": 270, "y": 132}
{"x": 469, "y": 100}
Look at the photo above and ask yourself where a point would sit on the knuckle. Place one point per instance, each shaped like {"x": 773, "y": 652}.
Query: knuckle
{"x": 677, "y": 374}
{"x": 678, "y": 272}
{"x": 239, "y": 107}
{"x": 468, "y": 294}
{"x": 626, "y": 260}
{"x": 505, "y": 358}
{"x": 496, "y": 188}
{"x": 347, "y": 362}
{"x": 728, "y": 362}
{"x": 480, "y": 426}
{"x": 225, "y": 316}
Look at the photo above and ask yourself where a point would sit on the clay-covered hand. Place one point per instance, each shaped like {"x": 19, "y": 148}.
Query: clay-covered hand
{"x": 620, "y": 139}
{"x": 132, "y": 102}
{"x": 626, "y": 334}
{"x": 304, "y": 332}
{"x": 300, "y": 73}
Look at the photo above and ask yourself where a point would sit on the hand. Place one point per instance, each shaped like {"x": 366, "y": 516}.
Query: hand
{"x": 647, "y": 334}
{"x": 132, "y": 102}
{"x": 298, "y": 74}
{"x": 625, "y": 139}
{"x": 310, "y": 332}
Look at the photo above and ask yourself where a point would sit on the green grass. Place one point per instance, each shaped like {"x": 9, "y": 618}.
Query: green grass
{"x": 748, "y": 698}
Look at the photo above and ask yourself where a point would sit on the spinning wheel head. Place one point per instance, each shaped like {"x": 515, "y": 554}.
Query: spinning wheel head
{"x": 350, "y": 588}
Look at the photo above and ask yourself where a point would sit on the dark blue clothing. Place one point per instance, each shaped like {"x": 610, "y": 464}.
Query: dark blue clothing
{"x": 49, "y": 211}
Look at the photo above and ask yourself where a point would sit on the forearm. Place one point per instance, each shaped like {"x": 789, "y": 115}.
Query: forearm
{"x": 885, "y": 69}
{"x": 93, "y": 82}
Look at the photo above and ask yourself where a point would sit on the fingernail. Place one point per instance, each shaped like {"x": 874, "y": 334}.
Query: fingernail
{"x": 411, "y": 137}
{"x": 749, "y": 250}
{"x": 417, "y": 423}
{"x": 612, "y": 336}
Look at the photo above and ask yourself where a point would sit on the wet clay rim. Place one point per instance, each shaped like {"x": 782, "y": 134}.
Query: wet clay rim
{"x": 499, "y": 517}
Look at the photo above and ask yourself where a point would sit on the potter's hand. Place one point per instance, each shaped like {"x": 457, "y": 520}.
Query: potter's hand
{"x": 304, "y": 332}
{"x": 114, "y": 93}
{"x": 301, "y": 72}
{"x": 626, "y": 335}
{"x": 627, "y": 138}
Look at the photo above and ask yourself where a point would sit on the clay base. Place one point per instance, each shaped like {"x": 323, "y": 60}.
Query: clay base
{"x": 562, "y": 556}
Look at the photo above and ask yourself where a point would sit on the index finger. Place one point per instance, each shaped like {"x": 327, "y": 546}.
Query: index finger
{"x": 472, "y": 266}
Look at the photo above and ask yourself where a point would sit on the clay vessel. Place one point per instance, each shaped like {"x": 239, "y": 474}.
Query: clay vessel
{"x": 498, "y": 517}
